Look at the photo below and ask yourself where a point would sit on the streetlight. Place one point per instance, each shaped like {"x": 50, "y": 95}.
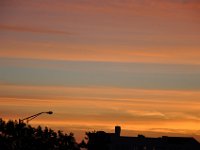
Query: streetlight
{"x": 34, "y": 116}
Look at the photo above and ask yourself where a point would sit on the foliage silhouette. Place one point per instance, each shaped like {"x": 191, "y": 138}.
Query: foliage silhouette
{"x": 20, "y": 136}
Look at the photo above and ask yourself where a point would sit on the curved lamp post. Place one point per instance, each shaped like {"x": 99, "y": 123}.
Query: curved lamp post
{"x": 34, "y": 116}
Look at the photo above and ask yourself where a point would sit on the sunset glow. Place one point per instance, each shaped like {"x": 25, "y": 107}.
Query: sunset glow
{"x": 101, "y": 63}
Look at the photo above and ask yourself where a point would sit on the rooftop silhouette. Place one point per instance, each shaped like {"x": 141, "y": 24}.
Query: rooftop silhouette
{"x": 101, "y": 140}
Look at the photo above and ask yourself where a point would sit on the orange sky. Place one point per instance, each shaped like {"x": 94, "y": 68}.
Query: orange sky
{"x": 99, "y": 63}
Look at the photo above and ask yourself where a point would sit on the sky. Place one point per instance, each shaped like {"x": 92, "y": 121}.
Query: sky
{"x": 100, "y": 63}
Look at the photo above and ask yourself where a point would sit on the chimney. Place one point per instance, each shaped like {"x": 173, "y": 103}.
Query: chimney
{"x": 117, "y": 130}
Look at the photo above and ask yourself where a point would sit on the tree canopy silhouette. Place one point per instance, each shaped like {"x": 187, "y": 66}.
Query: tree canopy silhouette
{"x": 16, "y": 135}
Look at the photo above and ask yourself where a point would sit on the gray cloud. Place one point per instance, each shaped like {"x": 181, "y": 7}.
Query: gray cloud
{"x": 17, "y": 28}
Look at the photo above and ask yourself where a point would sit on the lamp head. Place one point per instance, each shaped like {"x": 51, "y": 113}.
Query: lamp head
{"x": 50, "y": 112}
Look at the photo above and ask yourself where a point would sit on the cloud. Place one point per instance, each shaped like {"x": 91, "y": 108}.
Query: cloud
{"x": 103, "y": 104}
{"x": 17, "y": 28}
{"x": 130, "y": 95}
{"x": 146, "y": 113}
{"x": 61, "y": 51}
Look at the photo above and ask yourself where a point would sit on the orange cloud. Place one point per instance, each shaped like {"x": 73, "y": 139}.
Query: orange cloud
{"x": 107, "y": 93}
{"x": 104, "y": 104}
{"x": 176, "y": 55}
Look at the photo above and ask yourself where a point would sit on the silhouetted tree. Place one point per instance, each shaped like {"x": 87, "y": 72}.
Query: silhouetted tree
{"x": 83, "y": 144}
{"x": 20, "y": 136}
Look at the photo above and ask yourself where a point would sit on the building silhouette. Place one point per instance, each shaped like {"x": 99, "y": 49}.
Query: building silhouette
{"x": 101, "y": 140}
